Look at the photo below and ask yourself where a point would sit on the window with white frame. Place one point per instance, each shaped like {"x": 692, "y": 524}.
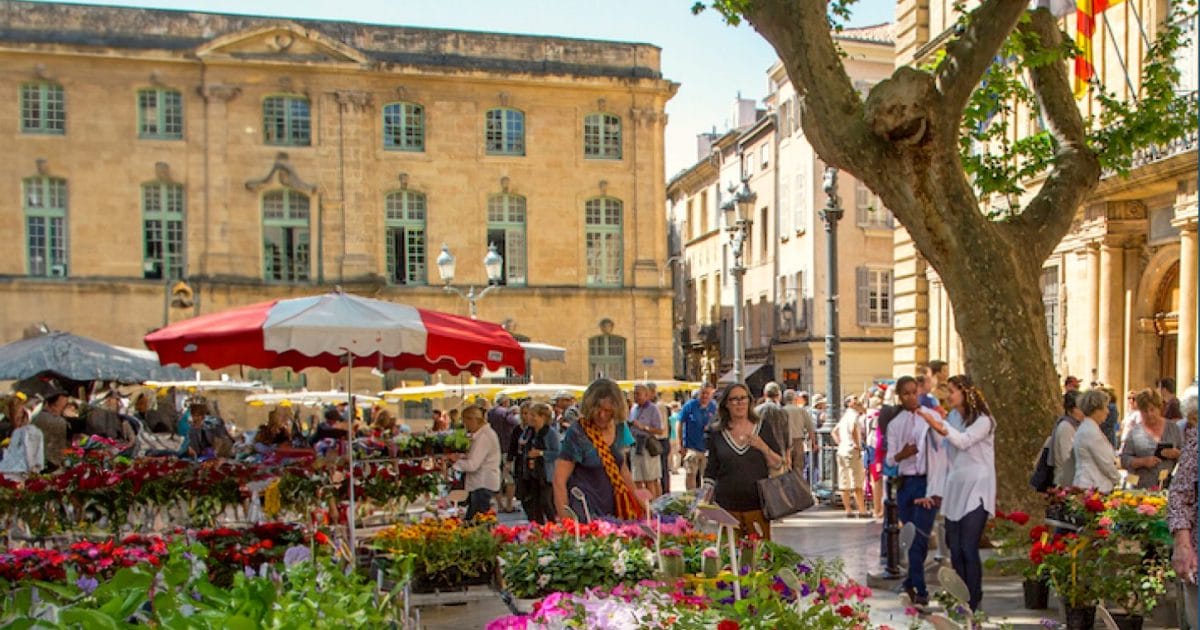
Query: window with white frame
{"x": 286, "y": 236}
{"x": 404, "y": 225}
{"x": 869, "y": 210}
{"x": 160, "y": 114}
{"x": 800, "y": 200}
{"x": 602, "y": 137}
{"x": 506, "y": 230}
{"x": 1050, "y": 285}
{"x": 874, "y": 296}
{"x": 764, "y": 154}
{"x": 43, "y": 108}
{"x": 45, "y": 201}
{"x": 162, "y": 230}
{"x": 606, "y": 357}
{"x": 603, "y": 236}
{"x": 287, "y": 121}
{"x": 404, "y": 127}
{"x": 504, "y": 131}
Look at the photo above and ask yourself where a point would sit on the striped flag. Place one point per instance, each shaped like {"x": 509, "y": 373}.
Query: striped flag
{"x": 1086, "y": 12}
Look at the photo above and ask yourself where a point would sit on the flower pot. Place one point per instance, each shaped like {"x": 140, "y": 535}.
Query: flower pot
{"x": 710, "y": 566}
{"x": 1128, "y": 622}
{"x": 1081, "y": 618}
{"x": 1037, "y": 594}
{"x": 672, "y": 566}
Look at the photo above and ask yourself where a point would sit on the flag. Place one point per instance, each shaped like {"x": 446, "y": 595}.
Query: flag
{"x": 1086, "y": 12}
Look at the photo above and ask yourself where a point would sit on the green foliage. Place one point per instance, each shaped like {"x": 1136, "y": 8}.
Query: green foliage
{"x": 308, "y": 594}
{"x": 538, "y": 568}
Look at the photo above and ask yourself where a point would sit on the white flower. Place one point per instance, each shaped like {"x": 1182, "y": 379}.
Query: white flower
{"x": 543, "y": 580}
{"x": 545, "y": 560}
{"x": 648, "y": 556}
{"x": 618, "y": 565}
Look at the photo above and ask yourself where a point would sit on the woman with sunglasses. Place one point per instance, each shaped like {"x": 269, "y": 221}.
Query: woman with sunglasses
{"x": 741, "y": 451}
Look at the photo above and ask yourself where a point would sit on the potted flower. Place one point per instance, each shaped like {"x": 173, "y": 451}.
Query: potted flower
{"x": 710, "y": 562}
{"x": 671, "y": 562}
{"x": 1137, "y": 588}
{"x": 1079, "y": 568}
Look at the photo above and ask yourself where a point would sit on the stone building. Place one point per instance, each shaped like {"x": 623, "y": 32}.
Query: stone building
{"x": 1120, "y": 289}
{"x": 784, "y": 289}
{"x": 256, "y": 158}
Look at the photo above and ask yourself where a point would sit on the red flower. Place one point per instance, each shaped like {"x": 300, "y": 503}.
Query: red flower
{"x": 1101, "y": 533}
{"x": 1094, "y": 505}
{"x": 321, "y": 538}
{"x": 727, "y": 624}
{"x": 845, "y": 611}
{"x": 1038, "y": 531}
{"x": 1018, "y": 517}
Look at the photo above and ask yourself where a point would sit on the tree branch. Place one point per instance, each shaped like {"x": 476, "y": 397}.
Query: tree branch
{"x": 799, "y": 30}
{"x": 970, "y": 54}
{"x": 1076, "y": 170}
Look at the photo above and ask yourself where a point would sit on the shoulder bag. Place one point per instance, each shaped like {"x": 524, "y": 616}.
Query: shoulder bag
{"x": 784, "y": 494}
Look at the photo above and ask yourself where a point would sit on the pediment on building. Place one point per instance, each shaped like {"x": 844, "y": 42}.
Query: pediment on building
{"x": 283, "y": 41}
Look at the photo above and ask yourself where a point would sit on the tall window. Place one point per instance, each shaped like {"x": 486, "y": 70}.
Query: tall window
{"x": 162, "y": 230}
{"x": 869, "y": 210}
{"x": 506, "y": 230}
{"x": 1050, "y": 303}
{"x": 404, "y": 127}
{"x": 405, "y": 225}
{"x": 43, "y": 108}
{"x": 800, "y": 199}
{"x": 602, "y": 238}
{"x": 874, "y": 296}
{"x": 602, "y": 137}
{"x": 160, "y": 114}
{"x": 286, "y": 244}
{"x": 46, "y": 226}
{"x": 286, "y": 121}
{"x": 606, "y": 356}
{"x": 504, "y": 132}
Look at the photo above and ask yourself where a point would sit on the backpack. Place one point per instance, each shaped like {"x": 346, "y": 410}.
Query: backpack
{"x": 1043, "y": 472}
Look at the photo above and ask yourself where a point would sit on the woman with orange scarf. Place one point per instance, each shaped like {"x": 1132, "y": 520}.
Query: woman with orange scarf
{"x": 592, "y": 459}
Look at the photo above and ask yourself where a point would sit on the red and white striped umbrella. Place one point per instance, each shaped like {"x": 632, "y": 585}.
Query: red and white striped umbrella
{"x": 320, "y": 331}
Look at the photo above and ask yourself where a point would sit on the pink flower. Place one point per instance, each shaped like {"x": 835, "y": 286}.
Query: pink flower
{"x": 1105, "y": 522}
{"x": 1147, "y": 509}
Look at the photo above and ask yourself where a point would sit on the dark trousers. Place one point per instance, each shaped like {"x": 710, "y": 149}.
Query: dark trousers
{"x": 911, "y": 489}
{"x": 479, "y": 501}
{"x": 962, "y": 536}
{"x": 666, "y": 457}
{"x": 538, "y": 501}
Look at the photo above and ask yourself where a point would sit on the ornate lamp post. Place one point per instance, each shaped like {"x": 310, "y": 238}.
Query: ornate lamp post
{"x": 493, "y": 263}
{"x": 831, "y": 214}
{"x": 738, "y": 211}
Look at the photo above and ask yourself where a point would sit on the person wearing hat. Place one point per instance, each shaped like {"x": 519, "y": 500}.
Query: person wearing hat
{"x": 1071, "y": 384}
{"x": 54, "y": 428}
{"x": 565, "y": 411}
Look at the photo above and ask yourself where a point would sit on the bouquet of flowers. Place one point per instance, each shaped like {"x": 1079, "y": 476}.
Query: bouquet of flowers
{"x": 446, "y": 552}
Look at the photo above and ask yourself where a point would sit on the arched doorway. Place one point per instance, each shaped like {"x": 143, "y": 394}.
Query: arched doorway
{"x": 1166, "y": 321}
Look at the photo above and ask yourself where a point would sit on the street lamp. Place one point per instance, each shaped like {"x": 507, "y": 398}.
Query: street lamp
{"x": 738, "y": 211}
{"x": 831, "y": 214}
{"x": 493, "y": 264}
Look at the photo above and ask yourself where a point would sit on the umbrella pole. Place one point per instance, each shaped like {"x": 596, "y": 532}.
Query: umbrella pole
{"x": 350, "y": 457}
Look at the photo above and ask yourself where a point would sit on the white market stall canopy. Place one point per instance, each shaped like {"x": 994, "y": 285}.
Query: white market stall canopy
{"x": 309, "y": 399}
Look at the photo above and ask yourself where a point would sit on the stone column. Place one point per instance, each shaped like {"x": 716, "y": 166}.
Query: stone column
{"x": 1110, "y": 316}
{"x": 1091, "y": 360}
{"x": 1185, "y": 366}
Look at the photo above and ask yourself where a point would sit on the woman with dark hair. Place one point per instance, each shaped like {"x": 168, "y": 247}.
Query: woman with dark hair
{"x": 592, "y": 459}
{"x": 967, "y": 484}
{"x": 741, "y": 451}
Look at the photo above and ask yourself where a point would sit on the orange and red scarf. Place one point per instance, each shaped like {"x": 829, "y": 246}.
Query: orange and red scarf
{"x": 628, "y": 508}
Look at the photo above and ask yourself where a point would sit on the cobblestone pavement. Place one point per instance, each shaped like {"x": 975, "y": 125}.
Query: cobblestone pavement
{"x": 821, "y": 532}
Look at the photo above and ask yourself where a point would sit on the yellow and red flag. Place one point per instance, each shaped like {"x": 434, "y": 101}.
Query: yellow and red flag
{"x": 1086, "y": 13}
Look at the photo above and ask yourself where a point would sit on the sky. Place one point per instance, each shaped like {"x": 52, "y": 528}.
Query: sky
{"x": 712, "y": 61}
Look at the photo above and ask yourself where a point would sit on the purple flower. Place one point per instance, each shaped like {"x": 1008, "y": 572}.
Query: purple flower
{"x": 803, "y": 568}
{"x": 295, "y": 555}
{"x": 804, "y": 590}
{"x": 87, "y": 584}
{"x": 195, "y": 595}
{"x": 250, "y": 574}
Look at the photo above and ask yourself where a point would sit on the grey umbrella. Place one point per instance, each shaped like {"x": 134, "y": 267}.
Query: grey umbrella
{"x": 81, "y": 359}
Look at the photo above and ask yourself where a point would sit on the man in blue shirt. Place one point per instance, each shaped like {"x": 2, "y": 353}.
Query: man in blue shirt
{"x": 694, "y": 419}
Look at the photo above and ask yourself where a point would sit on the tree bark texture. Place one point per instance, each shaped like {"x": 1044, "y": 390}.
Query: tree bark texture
{"x": 903, "y": 143}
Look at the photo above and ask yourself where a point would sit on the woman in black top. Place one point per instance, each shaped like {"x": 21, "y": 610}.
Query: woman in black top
{"x": 741, "y": 451}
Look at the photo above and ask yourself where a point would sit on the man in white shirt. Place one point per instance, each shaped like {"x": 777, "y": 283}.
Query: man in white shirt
{"x": 907, "y": 443}
{"x": 481, "y": 464}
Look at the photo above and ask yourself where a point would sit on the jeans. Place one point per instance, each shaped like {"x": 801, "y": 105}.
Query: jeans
{"x": 479, "y": 501}
{"x": 963, "y": 536}
{"x": 911, "y": 489}
{"x": 666, "y": 469}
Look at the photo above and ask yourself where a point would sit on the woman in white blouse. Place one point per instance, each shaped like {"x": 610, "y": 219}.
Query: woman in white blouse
{"x": 1095, "y": 459}
{"x": 967, "y": 483}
